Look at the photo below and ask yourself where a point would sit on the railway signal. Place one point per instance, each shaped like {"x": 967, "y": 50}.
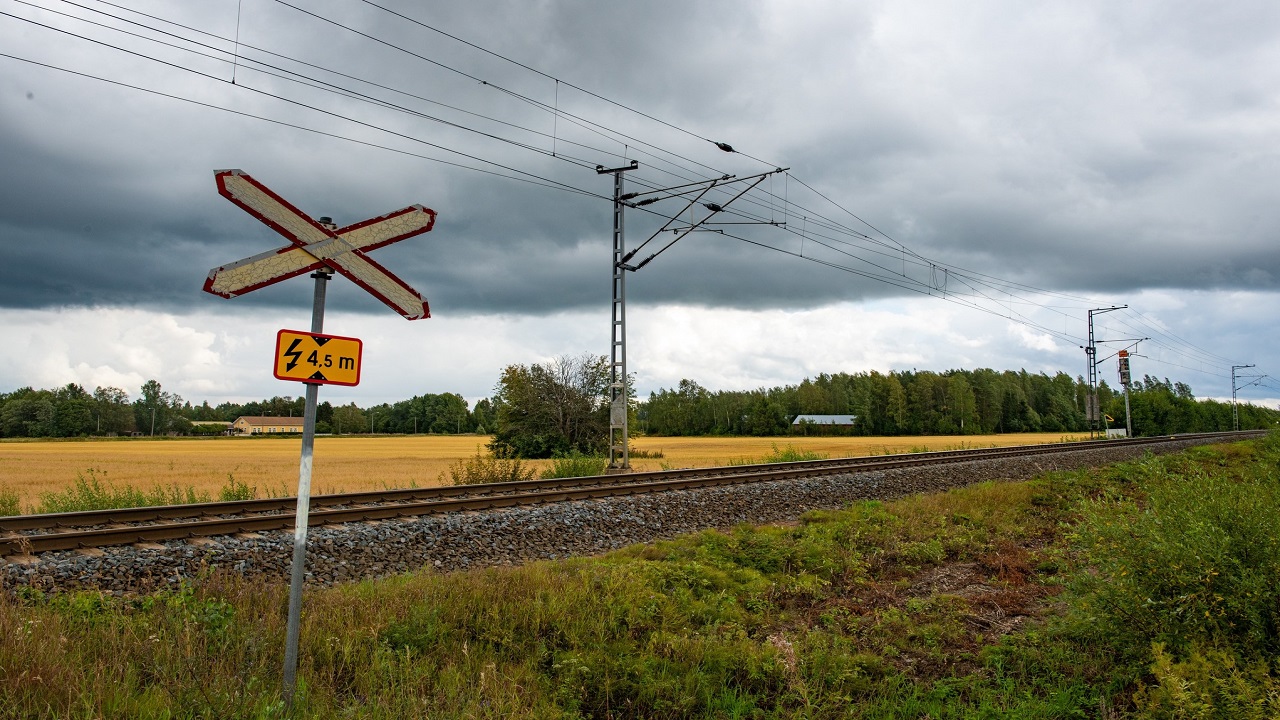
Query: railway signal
{"x": 320, "y": 248}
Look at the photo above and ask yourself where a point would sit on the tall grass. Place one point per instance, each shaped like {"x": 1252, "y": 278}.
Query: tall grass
{"x": 483, "y": 468}
{"x": 236, "y": 490}
{"x": 95, "y": 492}
{"x": 10, "y": 502}
{"x": 575, "y": 464}
{"x": 789, "y": 453}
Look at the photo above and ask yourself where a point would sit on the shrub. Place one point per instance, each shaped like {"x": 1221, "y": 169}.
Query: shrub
{"x": 94, "y": 493}
{"x": 9, "y": 503}
{"x": 790, "y": 453}
{"x": 1208, "y": 684}
{"x": 236, "y": 490}
{"x": 575, "y": 464}
{"x": 1194, "y": 565}
{"x": 481, "y": 468}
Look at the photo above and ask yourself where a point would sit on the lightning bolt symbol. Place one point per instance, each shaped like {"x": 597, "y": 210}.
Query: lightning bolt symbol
{"x": 293, "y": 353}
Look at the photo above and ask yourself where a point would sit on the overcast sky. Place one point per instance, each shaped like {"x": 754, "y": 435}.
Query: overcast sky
{"x": 965, "y": 180}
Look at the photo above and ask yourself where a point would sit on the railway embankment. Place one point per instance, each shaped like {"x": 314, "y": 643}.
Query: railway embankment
{"x": 463, "y": 540}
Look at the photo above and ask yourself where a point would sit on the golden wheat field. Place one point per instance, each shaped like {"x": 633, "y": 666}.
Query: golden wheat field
{"x": 366, "y": 463}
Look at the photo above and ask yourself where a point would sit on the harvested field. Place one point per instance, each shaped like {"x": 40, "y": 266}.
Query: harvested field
{"x": 363, "y": 463}
{"x": 682, "y": 452}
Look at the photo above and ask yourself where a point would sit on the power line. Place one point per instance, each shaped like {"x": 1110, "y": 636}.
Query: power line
{"x": 295, "y": 126}
{"x": 917, "y": 259}
{"x": 299, "y": 103}
{"x": 722, "y": 146}
{"x": 444, "y": 66}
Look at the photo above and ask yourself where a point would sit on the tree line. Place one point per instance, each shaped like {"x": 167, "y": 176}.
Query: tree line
{"x": 561, "y": 407}
{"x": 71, "y": 411}
{"x": 956, "y": 402}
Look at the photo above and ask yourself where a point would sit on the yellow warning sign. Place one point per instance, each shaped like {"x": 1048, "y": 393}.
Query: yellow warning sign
{"x": 320, "y": 359}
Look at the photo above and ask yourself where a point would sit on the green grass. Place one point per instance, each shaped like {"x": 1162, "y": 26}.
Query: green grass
{"x": 575, "y": 464}
{"x": 96, "y": 492}
{"x": 996, "y": 600}
{"x": 789, "y": 453}
{"x": 10, "y": 502}
{"x": 236, "y": 490}
{"x": 483, "y": 468}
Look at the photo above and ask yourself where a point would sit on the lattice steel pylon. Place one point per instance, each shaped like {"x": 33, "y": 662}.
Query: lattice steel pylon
{"x": 619, "y": 450}
{"x": 1235, "y": 408}
{"x": 1093, "y": 413}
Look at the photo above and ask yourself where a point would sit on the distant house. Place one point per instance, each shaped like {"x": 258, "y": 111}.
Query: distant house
{"x": 837, "y": 420}
{"x": 265, "y": 424}
{"x": 211, "y": 427}
{"x": 823, "y": 424}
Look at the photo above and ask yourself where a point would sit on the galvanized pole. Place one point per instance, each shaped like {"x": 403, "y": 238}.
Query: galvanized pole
{"x": 298, "y": 570}
{"x": 619, "y": 452}
{"x": 1093, "y": 410}
{"x": 1128, "y": 416}
{"x": 1235, "y": 409}
{"x": 1091, "y": 402}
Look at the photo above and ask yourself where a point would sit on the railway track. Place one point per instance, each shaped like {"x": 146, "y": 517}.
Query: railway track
{"x": 31, "y": 534}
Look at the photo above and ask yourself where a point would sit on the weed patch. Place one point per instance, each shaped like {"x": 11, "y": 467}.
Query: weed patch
{"x": 789, "y": 453}
{"x": 483, "y": 468}
{"x": 236, "y": 490}
{"x": 10, "y": 502}
{"x": 97, "y": 493}
{"x": 575, "y": 464}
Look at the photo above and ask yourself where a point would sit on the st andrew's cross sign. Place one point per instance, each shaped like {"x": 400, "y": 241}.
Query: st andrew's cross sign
{"x": 314, "y": 246}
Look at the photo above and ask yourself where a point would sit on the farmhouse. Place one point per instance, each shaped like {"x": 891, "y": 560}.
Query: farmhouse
{"x": 823, "y": 424}
{"x": 256, "y": 425}
{"x": 837, "y": 420}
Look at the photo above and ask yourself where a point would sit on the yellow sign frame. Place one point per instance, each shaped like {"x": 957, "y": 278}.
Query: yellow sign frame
{"x": 318, "y": 359}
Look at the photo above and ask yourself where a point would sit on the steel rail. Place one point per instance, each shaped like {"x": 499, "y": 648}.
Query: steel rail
{"x": 501, "y": 495}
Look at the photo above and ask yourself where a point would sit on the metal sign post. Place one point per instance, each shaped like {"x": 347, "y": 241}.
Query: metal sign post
{"x": 297, "y": 573}
{"x": 320, "y": 248}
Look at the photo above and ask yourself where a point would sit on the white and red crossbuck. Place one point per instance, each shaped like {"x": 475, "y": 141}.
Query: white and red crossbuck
{"x": 313, "y": 246}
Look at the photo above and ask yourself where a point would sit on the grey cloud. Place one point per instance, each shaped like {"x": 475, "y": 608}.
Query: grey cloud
{"x": 1116, "y": 157}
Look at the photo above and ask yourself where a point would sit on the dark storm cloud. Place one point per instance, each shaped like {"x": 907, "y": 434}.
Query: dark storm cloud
{"x": 1089, "y": 148}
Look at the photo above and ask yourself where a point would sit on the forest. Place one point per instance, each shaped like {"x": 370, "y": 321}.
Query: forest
{"x": 956, "y": 402}
{"x": 559, "y": 406}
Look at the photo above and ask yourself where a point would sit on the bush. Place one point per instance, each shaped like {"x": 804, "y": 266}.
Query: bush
{"x": 9, "y": 503}
{"x": 236, "y": 490}
{"x": 1193, "y": 565}
{"x": 1208, "y": 684}
{"x": 790, "y": 453}
{"x": 575, "y": 464}
{"x": 92, "y": 493}
{"x": 481, "y": 469}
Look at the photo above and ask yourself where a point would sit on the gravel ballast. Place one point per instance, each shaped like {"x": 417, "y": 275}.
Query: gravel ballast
{"x": 458, "y": 541}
